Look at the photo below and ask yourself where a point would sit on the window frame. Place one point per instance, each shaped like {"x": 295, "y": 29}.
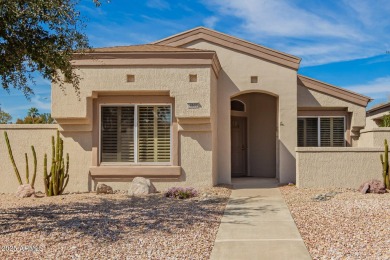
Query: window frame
{"x": 319, "y": 130}
{"x": 135, "y": 163}
{"x": 242, "y": 102}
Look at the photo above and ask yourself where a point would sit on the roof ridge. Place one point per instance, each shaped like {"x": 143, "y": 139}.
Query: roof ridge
{"x": 232, "y": 42}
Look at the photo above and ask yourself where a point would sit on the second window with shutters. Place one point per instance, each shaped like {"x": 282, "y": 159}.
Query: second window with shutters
{"x": 321, "y": 131}
{"x": 136, "y": 134}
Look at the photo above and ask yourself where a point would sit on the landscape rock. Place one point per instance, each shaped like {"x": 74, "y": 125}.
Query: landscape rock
{"x": 104, "y": 189}
{"x": 325, "y": 197}
{"x": 141, "y": 186}
{"x": 375, "y": 186}
{"x": 25, "y": 191}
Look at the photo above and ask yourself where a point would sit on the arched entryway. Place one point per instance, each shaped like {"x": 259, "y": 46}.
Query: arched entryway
{"x": 254, "y": 135}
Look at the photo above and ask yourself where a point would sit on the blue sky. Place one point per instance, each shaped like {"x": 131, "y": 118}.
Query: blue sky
{"x": 345, "y": 43}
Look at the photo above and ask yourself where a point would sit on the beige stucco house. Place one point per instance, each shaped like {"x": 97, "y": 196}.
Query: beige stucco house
{"x": 198, "y": 108}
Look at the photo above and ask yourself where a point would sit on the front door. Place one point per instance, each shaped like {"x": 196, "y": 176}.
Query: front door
{"x": 239, "y": 146}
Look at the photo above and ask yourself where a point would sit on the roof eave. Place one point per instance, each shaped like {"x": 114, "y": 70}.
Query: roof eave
{"x": 335, "y": 91}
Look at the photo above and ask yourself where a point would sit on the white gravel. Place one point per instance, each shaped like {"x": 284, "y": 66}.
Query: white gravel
{"x": 90, "y": 226}
{"x": 350, "y": 225}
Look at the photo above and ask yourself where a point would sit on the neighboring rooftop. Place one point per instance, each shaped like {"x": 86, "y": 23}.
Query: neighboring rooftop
{"x": 377, "y": 108}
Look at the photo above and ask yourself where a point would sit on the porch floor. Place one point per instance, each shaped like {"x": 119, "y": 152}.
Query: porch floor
{"x": 257, "y": 224}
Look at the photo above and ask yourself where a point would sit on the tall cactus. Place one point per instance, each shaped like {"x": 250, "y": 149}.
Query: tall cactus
{"x": 26, "y": 158}
{"x": 385, "y": 165}
{"x": 57, "y": 179}
{"x": 12, "y": 158}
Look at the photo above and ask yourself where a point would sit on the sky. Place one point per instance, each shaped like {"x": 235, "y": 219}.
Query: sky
{"x": 342, "y": 42}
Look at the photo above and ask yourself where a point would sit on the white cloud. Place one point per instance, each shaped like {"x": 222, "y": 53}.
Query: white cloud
{"x": 378, "y": 88}
{"x": 211, "y": 21}
{"x": 158, "y": 4}
{"x": 318, "y": 33}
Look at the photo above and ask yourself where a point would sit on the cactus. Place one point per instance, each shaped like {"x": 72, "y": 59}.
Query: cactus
{"x": 26, "y": 158}
{"x": 35, "y": 166}
{"x": 12, "y": 158}
{"x": 57, "y": 179}
{"x": 385, "y": 165}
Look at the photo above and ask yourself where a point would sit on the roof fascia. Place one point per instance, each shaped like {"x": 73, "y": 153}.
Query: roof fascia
{"x": 333, "y": 91}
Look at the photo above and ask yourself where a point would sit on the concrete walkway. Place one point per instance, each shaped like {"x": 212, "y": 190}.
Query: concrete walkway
{"x": 257, "y": 224}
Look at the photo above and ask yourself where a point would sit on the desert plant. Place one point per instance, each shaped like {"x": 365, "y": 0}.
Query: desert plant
{"x": 385, "y": 166}
{"x": 181, "y": 193}
{"x": 26, "y": 157}
{"x": 386, "y": 121}
{"x": 58, "y": 178}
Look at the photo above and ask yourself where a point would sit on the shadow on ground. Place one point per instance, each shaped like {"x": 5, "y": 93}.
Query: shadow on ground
{"x": 111, "y": 219}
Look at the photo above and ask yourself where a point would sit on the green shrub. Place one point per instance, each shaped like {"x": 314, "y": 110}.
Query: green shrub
{"x": 386, "y": 121}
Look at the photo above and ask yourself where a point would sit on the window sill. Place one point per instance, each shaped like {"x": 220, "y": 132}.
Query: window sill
{"x": 135, "y": 171}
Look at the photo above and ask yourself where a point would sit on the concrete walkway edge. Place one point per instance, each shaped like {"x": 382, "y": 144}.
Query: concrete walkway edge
{"x": 257, "y": 224}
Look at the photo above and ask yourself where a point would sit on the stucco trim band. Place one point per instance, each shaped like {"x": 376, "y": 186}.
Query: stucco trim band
{"x": 135, "y": 171}
{"x": 201, "y": 58}
{"x": 333, "y": 90}
{"x": 337, "y": 149}
{"x": 234, "y": 43}
{"x": 28, "y": 126}
{"x": 379, "y": 129}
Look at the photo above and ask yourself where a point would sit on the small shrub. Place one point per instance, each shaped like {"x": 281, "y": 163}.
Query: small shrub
{"x": 181, "y": 193}
{"x": 386, "y": 121}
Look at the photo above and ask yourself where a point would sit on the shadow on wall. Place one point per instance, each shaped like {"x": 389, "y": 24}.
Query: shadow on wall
{"x": 305, "y": 97}
{"x": 84, "y": 139}
{"x": 287, "y": 164}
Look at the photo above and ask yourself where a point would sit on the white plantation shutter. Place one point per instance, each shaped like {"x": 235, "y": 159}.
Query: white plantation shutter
{"x": 332, "y": 132}
{"x": 301, "y": 132}
{"x": 117, "y": 134}
{"x": 311, "y": 131}
{"x": 326, "y": 132}
{"x": 146, "y": 134}
{"x": 163, "y": 134}
{"x": 307, "y": 132}
{"x": 154, "y": 133}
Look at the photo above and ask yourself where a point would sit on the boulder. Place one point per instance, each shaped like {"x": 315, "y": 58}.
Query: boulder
{"x": 104, "y": 189}
{"x": 141, "y": 186}
{"x": 25, "y": 191}
{"x": 375, "y": 186}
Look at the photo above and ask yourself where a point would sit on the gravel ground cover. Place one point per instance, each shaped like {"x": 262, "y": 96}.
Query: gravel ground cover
{"x": 346, "y": 225}
{"x": 90, "y": 226}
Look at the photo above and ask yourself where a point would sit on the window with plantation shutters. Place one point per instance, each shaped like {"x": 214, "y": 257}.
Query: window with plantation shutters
{"x": 308, "y": 132}
{"x": 136, "y": 134}
{"x": 117, "y": 134}
{"x": 321, "y": 131}
{"x": 332, "y": 132}
{"x": 154, "y": 134}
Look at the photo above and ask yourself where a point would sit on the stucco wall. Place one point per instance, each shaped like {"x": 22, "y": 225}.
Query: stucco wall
{"x": 195, "y": 146}
{"x": 314, "y": 99}
{"x": 374, "y": 119}
{"x": 337, "y": 167}
{"x": 374, "y": 137}
{"x": 173, "y": 80}
{"x": 234, "y": 79}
